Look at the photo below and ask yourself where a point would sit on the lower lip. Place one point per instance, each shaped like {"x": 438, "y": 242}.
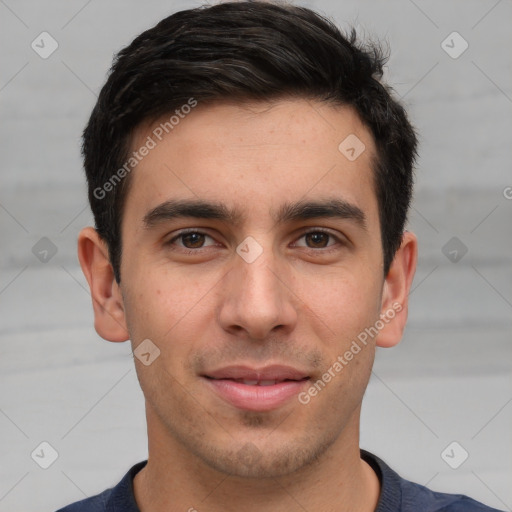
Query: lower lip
{"x": 256, "y": 398}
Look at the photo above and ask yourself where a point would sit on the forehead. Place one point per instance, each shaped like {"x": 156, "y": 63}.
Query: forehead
{"x": 254, "y": 156}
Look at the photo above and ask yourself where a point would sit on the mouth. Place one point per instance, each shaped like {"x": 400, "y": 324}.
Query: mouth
{"x": 253, "y": 389}
{"x": 256, "y": 382}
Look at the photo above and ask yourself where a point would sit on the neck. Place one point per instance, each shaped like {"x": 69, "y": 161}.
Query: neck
{"x": 175, "y": 479}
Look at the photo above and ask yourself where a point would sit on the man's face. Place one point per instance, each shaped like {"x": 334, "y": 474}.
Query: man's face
{"x": 222, "y": 307}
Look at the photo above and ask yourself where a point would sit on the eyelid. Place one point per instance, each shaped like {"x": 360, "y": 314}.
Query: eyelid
{"x": 339, "y": 239}
{"x": 188, "y": 231}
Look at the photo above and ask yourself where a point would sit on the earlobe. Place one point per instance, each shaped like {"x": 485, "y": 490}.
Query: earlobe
{"x": 109, "y": 317}
{"x": 396, "y": 290}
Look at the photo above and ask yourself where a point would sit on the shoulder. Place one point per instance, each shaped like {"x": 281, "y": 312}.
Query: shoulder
{"x": 117, "y": 499}
{"x": 400, "y": 495}
{"x": 96, "y": 503}
{"x": 416, "y": 495}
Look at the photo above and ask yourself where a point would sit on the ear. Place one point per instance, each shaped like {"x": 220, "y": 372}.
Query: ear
{"x": 395, "y": 293}
{"x": 107, "y": 301}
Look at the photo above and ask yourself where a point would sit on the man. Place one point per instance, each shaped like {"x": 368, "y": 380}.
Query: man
{"x": 250, "y": 179}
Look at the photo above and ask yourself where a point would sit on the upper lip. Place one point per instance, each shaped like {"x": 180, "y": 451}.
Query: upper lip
{"x": 273, "y": 372}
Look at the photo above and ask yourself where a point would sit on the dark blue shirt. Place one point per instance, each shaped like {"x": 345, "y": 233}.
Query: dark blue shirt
{"x": 396, "y": 495}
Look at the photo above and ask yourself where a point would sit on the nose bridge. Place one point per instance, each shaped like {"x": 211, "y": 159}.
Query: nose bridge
{"x": 254, "y": 298}
{"x": 259, "y": 282}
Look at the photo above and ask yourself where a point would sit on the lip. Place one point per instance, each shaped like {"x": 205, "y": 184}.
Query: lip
{"x": 225, "y": 382}
{"x": 273, "y": 372}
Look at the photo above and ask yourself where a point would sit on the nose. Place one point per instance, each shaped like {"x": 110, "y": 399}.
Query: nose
{"x": 256, "y": 300}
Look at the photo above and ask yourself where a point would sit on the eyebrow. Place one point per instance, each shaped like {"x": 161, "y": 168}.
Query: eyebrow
{"x": 330, "y": 208}
{"x": 288, "y": 212}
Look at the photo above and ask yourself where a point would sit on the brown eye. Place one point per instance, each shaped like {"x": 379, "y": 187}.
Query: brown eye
{"x": 317, "y": 239}
{"x": 193, "y": 240}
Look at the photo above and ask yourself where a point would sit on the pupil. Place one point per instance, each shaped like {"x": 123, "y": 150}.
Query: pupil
{"x": 318, "y": 239}
{"x": 195, "y": 239}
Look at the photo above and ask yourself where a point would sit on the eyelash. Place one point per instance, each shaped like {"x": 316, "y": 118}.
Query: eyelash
{"x": 324, "y": 250}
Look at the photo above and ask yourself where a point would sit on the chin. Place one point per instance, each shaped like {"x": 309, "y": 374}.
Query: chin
{"x": 263, "y": 462}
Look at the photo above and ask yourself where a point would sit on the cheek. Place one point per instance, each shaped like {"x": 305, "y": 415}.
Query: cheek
{"x": 144, "y": 303}
{"x": 344, "y": 301}
{"x": 156, "y": 301}
{"x": 175, "y": 312}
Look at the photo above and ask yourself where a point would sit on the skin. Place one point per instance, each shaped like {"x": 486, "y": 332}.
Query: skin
{"x": 301, "y": 302}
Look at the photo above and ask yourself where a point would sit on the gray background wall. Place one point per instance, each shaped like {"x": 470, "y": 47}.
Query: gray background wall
{"x": 450, "y": 378}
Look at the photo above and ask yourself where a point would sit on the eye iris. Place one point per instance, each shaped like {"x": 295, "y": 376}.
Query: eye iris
{"x": 196, "y": 240}
{"x": 318, "y": 239}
